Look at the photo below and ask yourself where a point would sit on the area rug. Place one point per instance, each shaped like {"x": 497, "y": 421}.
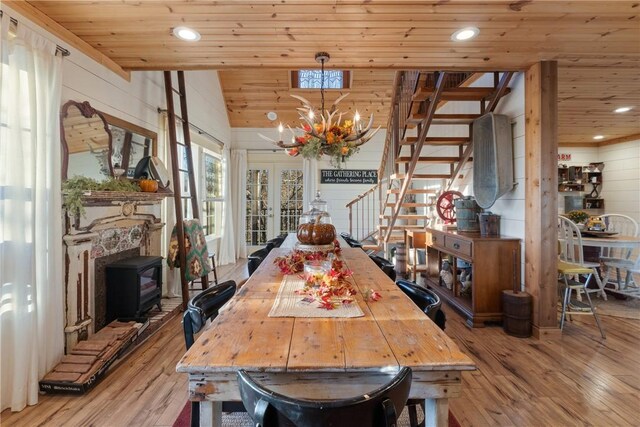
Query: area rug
{"x": 241, "y": 419}
{"x": 626, "y": 308}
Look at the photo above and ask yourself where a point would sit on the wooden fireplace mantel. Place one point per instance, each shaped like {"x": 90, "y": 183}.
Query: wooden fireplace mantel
{"x": 113, "y": 222}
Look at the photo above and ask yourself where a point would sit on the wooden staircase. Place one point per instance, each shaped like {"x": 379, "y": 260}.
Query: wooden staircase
{"x": 414, "y": 168}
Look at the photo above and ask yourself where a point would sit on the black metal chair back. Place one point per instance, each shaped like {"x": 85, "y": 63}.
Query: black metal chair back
{"x": 380, "y": 408}
{"x": 430, "y": 303}
{"x": 385, "y": 265}
{"x": 351, "y": 241}
{"x": 203, "y": 307}
{"x": 276, "y": 242}
{"x": 256, "y": 258}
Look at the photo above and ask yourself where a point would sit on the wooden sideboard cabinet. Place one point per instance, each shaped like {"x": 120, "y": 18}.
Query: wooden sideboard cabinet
{"x": 495, "y": 266}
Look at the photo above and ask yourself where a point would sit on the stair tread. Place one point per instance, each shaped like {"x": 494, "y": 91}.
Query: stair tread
{"x": 411, "y": 205}
{"x": 398, "y": 226}
{"x": 447, "y": 140}
{"x": 406, "y": 216}
{"x": 430, "y": 159}
{"x": 413, "y": 191}
{"x": 422, "y": 176}
{"x": 456, "y": 93}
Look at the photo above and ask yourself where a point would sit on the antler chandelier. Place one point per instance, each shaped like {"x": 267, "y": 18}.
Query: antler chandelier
{"x": 322, "y": 132}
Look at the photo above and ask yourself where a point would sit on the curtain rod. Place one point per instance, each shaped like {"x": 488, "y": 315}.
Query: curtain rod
{"x": 63, "y": 51}
{"x": 192, "y": 126}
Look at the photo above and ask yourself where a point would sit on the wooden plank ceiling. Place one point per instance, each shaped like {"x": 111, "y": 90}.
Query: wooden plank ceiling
{"x": 597, "y": 45}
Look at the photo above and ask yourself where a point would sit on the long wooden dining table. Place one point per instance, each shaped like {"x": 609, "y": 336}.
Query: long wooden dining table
{"x": 323, "y": 358}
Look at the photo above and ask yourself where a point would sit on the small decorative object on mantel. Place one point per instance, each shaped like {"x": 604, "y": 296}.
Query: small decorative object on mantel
{"x": 148, "y": 185}
{"x": 322, "y": 132}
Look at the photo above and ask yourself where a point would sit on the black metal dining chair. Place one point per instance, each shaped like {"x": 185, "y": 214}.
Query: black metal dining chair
{"x": 385, "y": 265}
{"x": 430, "y": 303}
{"x": 256, "y": 258}
{"x": 378, "y": 408}
{"x": 351, "y": 241}
{"x": 276, "y": 242}
{"x": 202, "y": 307}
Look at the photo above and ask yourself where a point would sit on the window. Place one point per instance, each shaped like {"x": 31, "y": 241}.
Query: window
{"x": 311, "y": 79}
{"x": 212, "y": 203}
{"x": 291, "y": 189}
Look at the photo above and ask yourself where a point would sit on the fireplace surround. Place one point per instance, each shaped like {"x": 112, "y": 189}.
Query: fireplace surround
{"x": 116, "y": 225}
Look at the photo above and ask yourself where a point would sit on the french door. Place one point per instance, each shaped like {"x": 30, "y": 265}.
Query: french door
{"x": 274, "y": 201}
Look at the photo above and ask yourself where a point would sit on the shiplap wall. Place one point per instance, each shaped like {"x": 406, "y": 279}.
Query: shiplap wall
{"x": 137, "y": 101}
{"x": 336, "y": 195}
{"x": 621, "y": 178}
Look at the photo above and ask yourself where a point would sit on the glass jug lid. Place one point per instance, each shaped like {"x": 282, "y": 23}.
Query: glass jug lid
{"x": 318, "y": 205}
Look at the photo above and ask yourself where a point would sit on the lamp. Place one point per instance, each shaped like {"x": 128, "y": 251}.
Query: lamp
{"x": 322, "y": 133}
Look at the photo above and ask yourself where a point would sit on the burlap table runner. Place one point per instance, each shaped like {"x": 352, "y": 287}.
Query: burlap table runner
{"x": 290, "y": 304}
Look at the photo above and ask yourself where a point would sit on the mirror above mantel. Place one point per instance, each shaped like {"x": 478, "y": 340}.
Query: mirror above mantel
{"x": 97, "y": 145}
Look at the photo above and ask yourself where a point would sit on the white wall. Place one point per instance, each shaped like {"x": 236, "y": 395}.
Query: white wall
{"x": 138, "y": 100}
{"x": 337, "y": 195}
{"x": 621, "y": 178}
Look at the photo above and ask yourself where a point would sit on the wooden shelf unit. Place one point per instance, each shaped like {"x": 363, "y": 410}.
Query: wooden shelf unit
{"x": 495, "y": 266}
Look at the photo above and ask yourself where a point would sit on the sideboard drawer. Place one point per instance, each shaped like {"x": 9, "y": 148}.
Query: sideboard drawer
{"x": 460, "y": 246}
{"x": 437, "y": 238}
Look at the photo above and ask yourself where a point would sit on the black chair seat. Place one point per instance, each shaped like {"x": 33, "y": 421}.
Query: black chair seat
{"x": 378, "y": 408}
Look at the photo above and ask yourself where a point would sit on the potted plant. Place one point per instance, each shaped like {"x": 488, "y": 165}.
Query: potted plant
{"x": 74, "y": 188}
{"x": 578, "y": 217}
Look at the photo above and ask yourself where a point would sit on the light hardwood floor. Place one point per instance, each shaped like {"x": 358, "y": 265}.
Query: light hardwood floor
{"x": 577, "y": 380}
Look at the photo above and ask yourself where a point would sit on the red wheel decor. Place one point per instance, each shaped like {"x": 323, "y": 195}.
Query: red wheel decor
{"x": 445, "y": 207}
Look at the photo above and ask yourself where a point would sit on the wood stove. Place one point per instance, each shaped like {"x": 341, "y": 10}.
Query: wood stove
{"x": 134, "y": 285}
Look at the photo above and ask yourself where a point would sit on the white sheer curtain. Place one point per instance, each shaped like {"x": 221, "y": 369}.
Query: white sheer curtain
{"x": 310, "y": 177}
{"x": 31, "y": 297}
{"x": 227, "y": 252}
{"x": 238, "y": 174}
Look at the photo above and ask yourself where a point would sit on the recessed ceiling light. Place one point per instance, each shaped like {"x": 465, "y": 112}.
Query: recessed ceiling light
{"x": 598, "y": 137}
{"x": 464, "y": 34}
{"x": 622, "y": 109}
{"x": 272, "y": 115}
{"x": 186, "y": 33}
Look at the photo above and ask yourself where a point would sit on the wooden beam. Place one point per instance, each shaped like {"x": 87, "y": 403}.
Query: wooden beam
{"x": 48, "y": 24}
{"x": 619, "y": 140}
{"x": 541, "y": 195}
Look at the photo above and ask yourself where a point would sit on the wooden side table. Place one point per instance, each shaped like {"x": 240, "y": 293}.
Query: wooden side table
{"x": 414, "y": 239}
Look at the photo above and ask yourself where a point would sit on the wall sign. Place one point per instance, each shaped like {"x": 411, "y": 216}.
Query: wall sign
{"x": 348, "y": 176}
{"x": 564, "y": 157}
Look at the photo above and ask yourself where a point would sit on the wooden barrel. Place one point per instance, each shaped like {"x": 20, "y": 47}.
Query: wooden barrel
{"x": 516, "y": 313}
{"x": 401, "y": 260}
{"x": 467, "y": 211}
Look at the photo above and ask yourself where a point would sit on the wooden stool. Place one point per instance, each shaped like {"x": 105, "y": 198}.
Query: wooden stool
{"x": 215, "y": 275}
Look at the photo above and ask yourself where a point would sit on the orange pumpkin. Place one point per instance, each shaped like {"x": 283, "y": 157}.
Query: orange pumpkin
{"x": 316, "y": 234}
{"x": 148, "y": 185}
